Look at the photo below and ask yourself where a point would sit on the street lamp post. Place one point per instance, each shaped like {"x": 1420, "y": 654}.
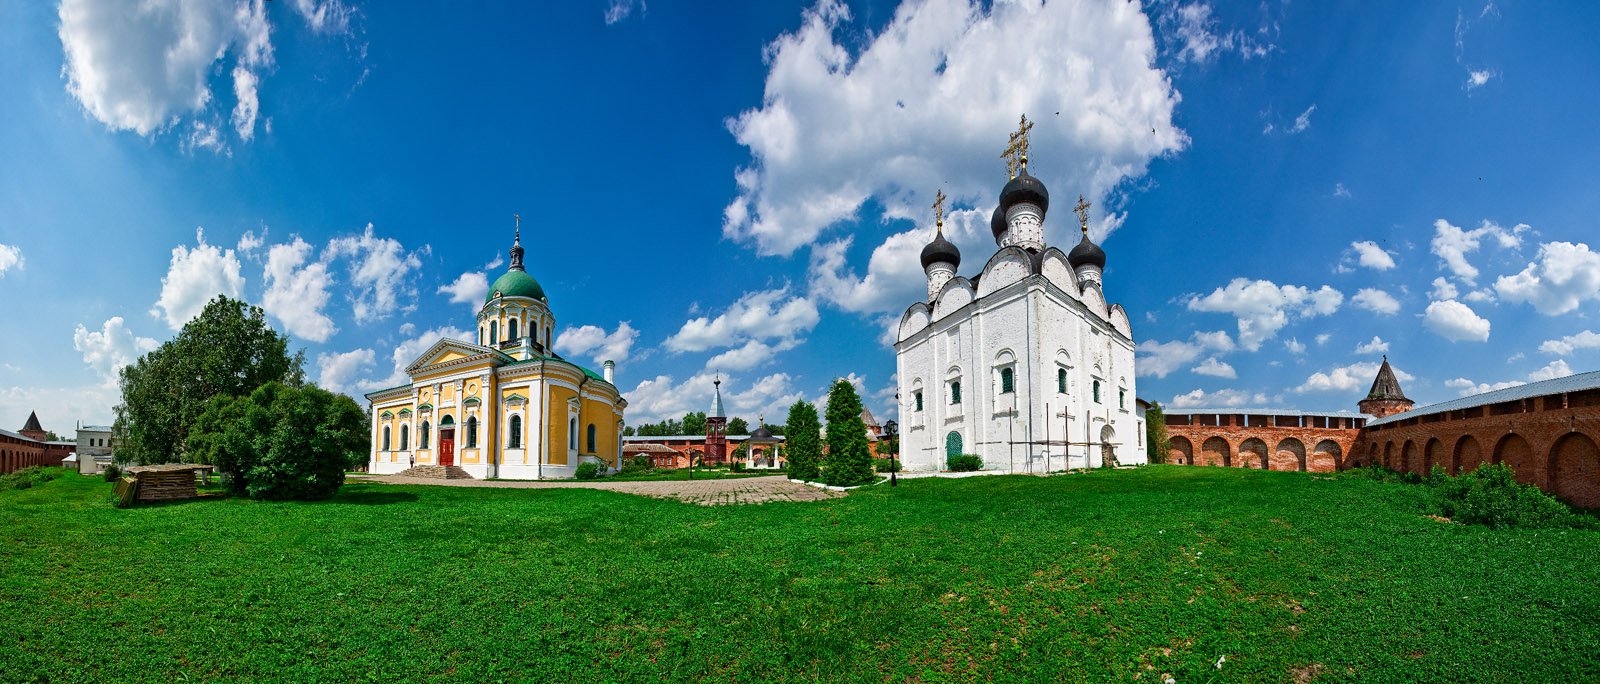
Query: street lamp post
{"x": 889, "y": 428}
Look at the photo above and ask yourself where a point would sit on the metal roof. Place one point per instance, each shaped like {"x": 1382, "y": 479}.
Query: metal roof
{"x": 1571, "y": 383}
{"x": 95, "y": 428}
{"x": 657, "y": 438}
{"x": 15, "y": 435}
{"x": 1260, "y": 412}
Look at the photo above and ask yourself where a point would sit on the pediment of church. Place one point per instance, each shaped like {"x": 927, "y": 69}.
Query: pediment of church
{"x": 448, "y": 352}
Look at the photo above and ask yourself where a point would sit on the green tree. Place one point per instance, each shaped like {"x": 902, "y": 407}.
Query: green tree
{"x": 1156, "y": 444}
{"x": 693, "y": 424}
{"x": 228, "y": 350}
{"x": 849, "y": 459}
{"x": 738, "y": 426}
{"x": 282, "y": 442}
{"x": 804, "y": 441}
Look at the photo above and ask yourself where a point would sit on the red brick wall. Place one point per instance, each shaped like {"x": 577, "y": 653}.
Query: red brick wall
{"x": 16, "y": 454}
{"x": 1271, "y": 447}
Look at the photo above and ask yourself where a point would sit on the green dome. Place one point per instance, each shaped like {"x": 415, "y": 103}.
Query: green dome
{"x": 516, "y": 283}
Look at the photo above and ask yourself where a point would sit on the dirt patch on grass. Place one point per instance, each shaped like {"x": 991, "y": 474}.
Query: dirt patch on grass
{"x": 1302, "y": 675}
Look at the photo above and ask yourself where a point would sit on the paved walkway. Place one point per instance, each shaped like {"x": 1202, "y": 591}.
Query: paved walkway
{"x": 744, "y": 490}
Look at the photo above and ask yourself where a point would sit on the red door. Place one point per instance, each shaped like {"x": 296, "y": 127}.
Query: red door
{"x": 447, "y": 447}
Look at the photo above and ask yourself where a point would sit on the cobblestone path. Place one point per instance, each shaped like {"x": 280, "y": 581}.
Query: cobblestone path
{"x": 747, "y": 490}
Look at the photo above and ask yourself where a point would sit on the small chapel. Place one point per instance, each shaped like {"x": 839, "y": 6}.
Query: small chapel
{"x": 1023, "y": 364}
{"x": 503, "y": 406}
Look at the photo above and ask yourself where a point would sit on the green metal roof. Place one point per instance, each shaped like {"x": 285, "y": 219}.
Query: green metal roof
{"x": 515, "y": 284}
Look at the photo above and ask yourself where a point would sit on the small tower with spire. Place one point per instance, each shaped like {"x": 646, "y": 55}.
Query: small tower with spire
{"x": 1087, "y": 259}
{"x": 32, "y": 429}
{"x": 1385, "y": 397}
{"x": 940, "y": 258}
{"x": 716, "y": 427}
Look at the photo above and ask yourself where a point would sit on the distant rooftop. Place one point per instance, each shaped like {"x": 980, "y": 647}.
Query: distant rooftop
{"x": 95, "y": 428}
{"x": 1571, "y": 383}
{"x": 660, "y": 438}
{"x": 1261, "y": 412}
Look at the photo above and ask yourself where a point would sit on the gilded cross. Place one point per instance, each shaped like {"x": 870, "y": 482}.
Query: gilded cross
{"x": 938, "y": 208}
{"x": 1083, "y": 214}
{"x": 518, "y": 217}
{"x": 1016, "y": 152}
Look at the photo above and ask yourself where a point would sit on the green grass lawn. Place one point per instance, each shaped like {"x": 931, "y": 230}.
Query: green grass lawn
{"x": 1097, "y": 577}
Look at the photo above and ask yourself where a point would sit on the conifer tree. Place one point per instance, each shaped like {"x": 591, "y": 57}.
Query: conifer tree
{"x": 803, "y": 441}
{"x": 849, "y": 459}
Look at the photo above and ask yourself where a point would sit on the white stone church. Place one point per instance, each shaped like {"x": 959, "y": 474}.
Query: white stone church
{"x": 1023, "y": 364}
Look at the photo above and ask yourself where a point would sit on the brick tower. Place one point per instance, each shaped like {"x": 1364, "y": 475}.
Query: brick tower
{"x": 32, "y": 429}
{"x": 716, "y": 428}
{"x": 1385, "y": 397}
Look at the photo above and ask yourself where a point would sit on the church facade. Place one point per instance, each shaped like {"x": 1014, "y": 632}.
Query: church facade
{"x": 1024, "y": 364}
{"x": 504, "y": 406}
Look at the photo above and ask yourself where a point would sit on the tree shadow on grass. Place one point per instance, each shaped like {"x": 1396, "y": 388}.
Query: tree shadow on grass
{"x": 373, "y": 498}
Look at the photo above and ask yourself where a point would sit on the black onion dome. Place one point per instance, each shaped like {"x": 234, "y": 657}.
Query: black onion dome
{"x": 1024, "y": 189}
{"x": 997, "y": 223}
{"x": 940, "y": 250}
{"x": 1087, "y": 252}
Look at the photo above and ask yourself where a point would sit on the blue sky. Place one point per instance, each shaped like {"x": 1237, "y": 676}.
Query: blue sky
{"x": 1285, "y": 191}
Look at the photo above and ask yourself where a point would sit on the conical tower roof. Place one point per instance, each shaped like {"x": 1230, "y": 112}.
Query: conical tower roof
{"x": 33, "y": 423}
{"x": 1386, "y": 386}
{"x": 716, "y": 401}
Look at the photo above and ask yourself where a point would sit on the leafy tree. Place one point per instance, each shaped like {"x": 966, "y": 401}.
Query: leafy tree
{"x": 628, "y": 431}
{"x": 51, "y": 436}
{"x": 1156, "y": 444}
{"x": 804, "y": 441}
{"x": 228, "y": 350}
{"x": 693, "y": 424}
{"x": 849, "y": 460}
{"x": 738, "y": 426}
{"x": 282, "y": 442}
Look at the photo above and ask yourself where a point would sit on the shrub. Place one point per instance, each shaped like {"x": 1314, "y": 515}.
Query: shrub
{"x": 27, "y": 477}
{"x": 736, "y": 466}
{"x": 849, "y": 461}
{"x": 588, "y": 470}
{"x": 965, "y": 463}
{"x": 886, "y": 465}
{"x": 638, "y": 465}
{"x": 1491, "y": 496}
{"x": 281, "y": 442}
{"x": 112, "y": 472}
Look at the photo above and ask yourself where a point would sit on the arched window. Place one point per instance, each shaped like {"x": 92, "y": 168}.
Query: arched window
{"x": 511, "y": 330}
{"x": 1097, "y": 391}
{"x": 472, "y": 432}
{"x": 385, "y": 438}
{"x": 572, "y": 434}
{"x": 1007, "y": 382}
{"x": 952, "y": 444}
{"x": 918, "y": 395}
{"x": 422, "y": 436}
{"x": 590, "y": 440}
{"x": 516, "y": 433}
{"x": 1122, "y": 398}
{"x": 1061, "y": 380}
{"x": 405, "y": 432}
{"x": 955, "y": 391}
{"x": 494, "y": 332}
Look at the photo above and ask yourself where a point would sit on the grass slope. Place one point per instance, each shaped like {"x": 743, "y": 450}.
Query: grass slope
{"x": 1105, "y": 576}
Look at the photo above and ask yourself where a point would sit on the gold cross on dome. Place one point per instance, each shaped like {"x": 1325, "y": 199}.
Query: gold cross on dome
{"x": 1083, "y": 214}
{"x": 938, "y": 208}
{"x": 1016, "y": 152}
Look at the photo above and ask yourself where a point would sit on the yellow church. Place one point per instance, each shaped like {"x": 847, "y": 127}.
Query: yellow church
{"x": 506, "y": 406}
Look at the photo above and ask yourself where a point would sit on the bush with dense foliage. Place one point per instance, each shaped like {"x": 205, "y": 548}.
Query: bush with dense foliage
{"x": 1157, "y": 445}
{"x": 1491, "y": 496}
{"x": 886, "y": 465}
{"x": 26, "y": 478}
{"x": 590, "y": 470}
{"x": 736, "y": 466}
{"x": 804, "y": 441}
{"x": 282, "y": 442}
{"x": 638, "y": 465}
{"x": 228, "y": 350}
{"x": 849, "y": 460}
{"x": 112, "y": 472}
{"x": 965, "y": 463}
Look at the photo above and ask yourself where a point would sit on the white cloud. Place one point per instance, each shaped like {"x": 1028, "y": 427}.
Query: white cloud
{"x": 380, "y": 274}
{"x": 926, "y": 103}
{"x": 1376, "y": 301}
{"x": 407, "y": 352}
{"x": 326, "y": 16}
{"x": 1197, "y": 36}
{"x": 10, "y": 258}
{"x": 1456, "y": 322}
{"x": 622, "y": 9}
{"x": 1465, "y": 387}
{"x": 194, "y": 277}
{"x": 1452, "y": 244}
{"x": 1294, "y": 346}
{"x": 1555, "y": 369}
{"x": 1322, "y": 338}
{"x": 1443, "y": 289}
{"x": 594, "y": 341}
{"x": 1223, "y": 398}
{"x": 142, "y": 66}
{"x": 1479, "y": 297}
{"x": 1263, "y": 308}
{"x": 1351, "y": 378}
{"x": 1477, "y": 78}
{"x": 1302, "y": 122}
{"x": 659, "y": 398}
{"x": 1339, "y": 190}
{"x": 59, "y": 408}
{"x": 297, "y": 291}
{"x": 758, "y": 315}
{"x": 1160, "y": 359}
{"x": 1560, "y": 278}
{"x": 204, "y": 136}
{"x": 753, "y": 353}
{"x": 1374, "y": 346}
{"x": 1370, "y": 255}
{"x": 110, "y": 348}
{"x": 1587, "y": 339}
{"x": 1214, "y": 368}
{"x": 1216, "y": 340}
{"x": 469, "y": 288}
{"x": 338, "y": 372}
{"x": 250, "y": 242}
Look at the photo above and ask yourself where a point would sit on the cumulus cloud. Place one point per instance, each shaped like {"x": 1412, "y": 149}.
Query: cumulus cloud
{"x": 758, "y": 315}
{"x": 1214, "y": 368}
{"x": 595, "y": 342}
{"x": 918, "y": 107}
{"x": 753, "y": 353}
{"x": 1374, "y": 346}
{"x": 10, "y": 258}
{"x": 1452, "y": 244}
{"x": 1347, "y": 379}
{"x": 1322, "y": 338}
{"x": 380, "y": 274}
{"x": 1263, "y": 307}
{"x": 1555, "y": 369}
{"x": 1560, "y": 278}
{"x": 1465, "y": 387}
{"x": 1294, "y": 346}
{"x": 1477, "y": 78}
{"x": 1443, "y": 289}
{"x": 408, "y": 350}
{"x": 1456, "y": 322}
{"x": 110, "y": 348}
{"x": 1215, "y": 340}
{"x": 660, "y": 397}
{"x": 1160, "y": 359}
{"x": 1193, "y": 33}
{"x": 297, "y": 291}
{"x": 469, "y": 288}
{"x": 1223, "y": 398}
{"x": 1587, "y": 339}
{"x": 338, "y": 372}
{"x": 1369, "y": 255}
{"x": 194, "y": 276}
{"x": 1376, "y": 301}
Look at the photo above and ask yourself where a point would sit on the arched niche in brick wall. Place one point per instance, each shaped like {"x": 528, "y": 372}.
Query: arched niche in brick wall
{"x": 1575, "y": 470}
{"x": 1515, "y": 451}
{"x": 1252, "y": 454}
{"x": 1181, "y": 452}
{"x": 1215, "y": 452}
{"x": 1467, "y": 455}
{"x": 1325, "y": 457}
{"x": 1410, "y": 460}
{"x": 1290, "y": 455}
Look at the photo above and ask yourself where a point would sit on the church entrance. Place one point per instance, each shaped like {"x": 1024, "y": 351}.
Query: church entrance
{"x": 447, "y": 447}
